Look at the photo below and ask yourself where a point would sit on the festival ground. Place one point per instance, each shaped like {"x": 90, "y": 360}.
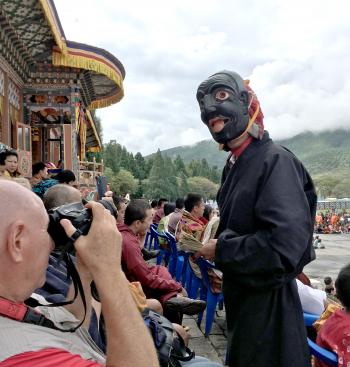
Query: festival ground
{"x": 328, "y": 263}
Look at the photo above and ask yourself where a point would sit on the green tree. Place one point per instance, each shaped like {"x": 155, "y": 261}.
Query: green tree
{"x": 205, "y": 169}
{"x": 157, "y": 185}
{"x": 203, "y": 186}
{"x": 194, "y": 168}
{"x": 110, "y": 156}
{"x": 325, "y": 184}
{"x": 149, "y": 165}
{"x": 179, "y": 166}
{"x": 140, "y": 166}
{"x": 214, "y": 175}
{"x": 182, "y": 185}
{"x": 123, "y": 182}
{"x": 109, "y": 174}
{"x": 170, "y": 177}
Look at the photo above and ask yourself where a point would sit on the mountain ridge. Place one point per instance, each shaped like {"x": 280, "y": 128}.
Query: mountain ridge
{"x": 320, "y": 152}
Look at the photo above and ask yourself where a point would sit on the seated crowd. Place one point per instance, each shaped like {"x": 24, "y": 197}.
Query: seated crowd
{"x": 123, "y": 292}
{"x": 120, "y": 295}
{"x": 331, "y": 222}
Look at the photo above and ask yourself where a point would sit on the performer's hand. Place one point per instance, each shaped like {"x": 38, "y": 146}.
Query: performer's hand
{"x": 207, "y": 251}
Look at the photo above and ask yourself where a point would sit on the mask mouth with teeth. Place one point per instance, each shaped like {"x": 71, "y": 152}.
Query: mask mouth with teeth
{"x": 224, "y": 102}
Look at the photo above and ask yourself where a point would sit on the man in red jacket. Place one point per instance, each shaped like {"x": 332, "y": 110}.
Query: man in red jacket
{"x": 155, "y": 279}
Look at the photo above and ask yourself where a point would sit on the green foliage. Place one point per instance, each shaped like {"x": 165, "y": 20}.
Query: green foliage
{"x": 109, "y": 174}
{"x": 111, "y": 154}
{"x": 326, "y": 156}
{"x": 203, "y": 186}
{"x": 179, "y": 166}
{"x": 140, "y": 170}
{"x": 123, "y": 182}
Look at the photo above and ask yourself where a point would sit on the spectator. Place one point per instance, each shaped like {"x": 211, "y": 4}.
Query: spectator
{"x": 163, "y": 223}
{"x": 159, "y": 214}
{"x": 39, "y": 172}
{"x": 25, "y": 246}
{"x": 120, "y": 204}
{"x": 329, "y": 287}
{"x": 334, "y": 335}
{"x": 312, "y": 300}
{"x": 9, "y": 159}
{"x": 213, "y": 224}
{"x": 66, "y": 177}
{"x": 155, "y": 280}
{"x": 176, "y": 216}
{"x": 190, "y": 224}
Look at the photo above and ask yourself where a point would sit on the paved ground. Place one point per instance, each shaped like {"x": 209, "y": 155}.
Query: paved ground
{"x": 329, "y": 260}
{"x": 328, "y": 263}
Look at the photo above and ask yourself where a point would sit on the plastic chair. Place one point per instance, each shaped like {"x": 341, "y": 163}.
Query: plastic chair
{"x": 193, "y": 283}
{"x": 310, "y": 318}
{"x": 164, "y": 254}
{"x": 324, "y": 355}
{"x": 153, "y": 237}
{"x": 177, "y": 259}
{"x": 320, "y": 353}
{"x": 208, "y": 295}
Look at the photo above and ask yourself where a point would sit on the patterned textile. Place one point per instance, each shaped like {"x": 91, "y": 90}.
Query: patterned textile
{"x": 189, "y": 231}
{"x": 335, "y": 336}
{"x": 43, "y": 186}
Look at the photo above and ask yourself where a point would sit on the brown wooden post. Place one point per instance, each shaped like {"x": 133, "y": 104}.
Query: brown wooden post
{"x": 67, "y": 146}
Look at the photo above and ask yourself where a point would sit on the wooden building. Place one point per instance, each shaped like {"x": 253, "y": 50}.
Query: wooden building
{"x": 50, "y": 87}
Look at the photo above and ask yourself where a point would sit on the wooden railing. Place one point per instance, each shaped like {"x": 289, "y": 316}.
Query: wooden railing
{"x": 88, "y": 171}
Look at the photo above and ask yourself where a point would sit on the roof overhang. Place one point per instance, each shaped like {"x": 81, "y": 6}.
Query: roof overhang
{"x": 93, "y": 141}
{"x": 32, "y": 38}
{"x": 107, "y": 71}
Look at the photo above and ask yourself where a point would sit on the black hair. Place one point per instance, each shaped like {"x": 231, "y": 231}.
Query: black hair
{"x": 192, "y": 200}
{"x": 169, "y": 208}
{"x": 342, "y": 285}
{"x": 7, "y": 153}
{"x": 65, "y": 176}
{"x": 161, "y": 201}
{"x": 109, "y": 206}
{"x": 327, "y": 280}
{"x": 180, "y": 203}
{"x": 207, "y": 211}
{"x": 37, "y": 167}
{"x": 154, "y": 204}
{"x": 136, "y": 210}
{"x": 118, "y": 200}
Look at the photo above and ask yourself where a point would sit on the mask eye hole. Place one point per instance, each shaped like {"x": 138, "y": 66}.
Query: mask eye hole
{"x": 222, "y": 95}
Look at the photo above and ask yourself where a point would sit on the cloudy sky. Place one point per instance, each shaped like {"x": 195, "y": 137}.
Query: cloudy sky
{"x": 295, "y": 53}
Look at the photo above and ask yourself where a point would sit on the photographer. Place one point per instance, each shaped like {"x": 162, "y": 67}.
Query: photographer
{"x": 24, "y": 250}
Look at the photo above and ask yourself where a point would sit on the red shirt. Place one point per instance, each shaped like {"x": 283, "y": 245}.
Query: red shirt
{"x": 48, "y": 358}
{"x": 136, "y": 268}
{"x": 335, "y": 336}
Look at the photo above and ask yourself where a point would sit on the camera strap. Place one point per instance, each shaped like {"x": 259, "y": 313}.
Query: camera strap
{"x": 78, "y": 287}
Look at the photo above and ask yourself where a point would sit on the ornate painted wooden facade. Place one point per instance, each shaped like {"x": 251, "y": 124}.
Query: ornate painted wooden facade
{"x": 50, "y": 87}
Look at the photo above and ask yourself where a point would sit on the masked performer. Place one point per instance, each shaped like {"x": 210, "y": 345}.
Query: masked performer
{"x": 267, "y": 205}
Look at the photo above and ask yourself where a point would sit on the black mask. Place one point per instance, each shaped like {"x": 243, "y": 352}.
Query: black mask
{"x": 223, "y": 101}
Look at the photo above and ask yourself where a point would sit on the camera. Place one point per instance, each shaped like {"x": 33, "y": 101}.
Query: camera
{"x": 80, "y": 217}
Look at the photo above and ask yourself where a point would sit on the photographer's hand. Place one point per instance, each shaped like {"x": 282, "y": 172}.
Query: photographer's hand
{"x": 100, "y": 250}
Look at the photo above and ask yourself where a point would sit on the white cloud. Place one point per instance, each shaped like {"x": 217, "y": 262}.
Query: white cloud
{"x": 296, "y": 55}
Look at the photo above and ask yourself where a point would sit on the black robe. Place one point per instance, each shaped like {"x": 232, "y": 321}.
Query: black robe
{"x": 267, "y": 207}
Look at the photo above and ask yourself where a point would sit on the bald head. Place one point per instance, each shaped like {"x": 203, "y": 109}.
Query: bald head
{"x": 25, "y": 244}
{"x": 59, "y": 195}
{"x": 17, "y": 202}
